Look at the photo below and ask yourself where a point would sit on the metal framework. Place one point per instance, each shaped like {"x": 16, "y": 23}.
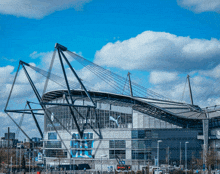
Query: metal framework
{"x": 137, "y": 97}
{"x": 43, "y": 105}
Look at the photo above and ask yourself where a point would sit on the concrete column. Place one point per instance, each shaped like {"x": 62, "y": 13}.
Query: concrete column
{"x": 206, "y": 139}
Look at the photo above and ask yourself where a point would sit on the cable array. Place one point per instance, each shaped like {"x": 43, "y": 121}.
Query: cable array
{"x": 114, "y": 80}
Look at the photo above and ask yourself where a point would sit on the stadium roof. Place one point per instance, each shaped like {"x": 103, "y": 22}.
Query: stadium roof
{"x": 181, "y": 114}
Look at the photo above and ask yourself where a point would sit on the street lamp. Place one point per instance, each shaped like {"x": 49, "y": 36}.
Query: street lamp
{"x": 180, "y": 154}
{"x": 186, "y": 155}
{"x": 104, "y": 155}
{"x": 20, "y": 159}
{"x": 159, "y": 141}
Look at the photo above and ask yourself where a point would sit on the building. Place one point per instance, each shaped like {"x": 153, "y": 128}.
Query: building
{"x": 8, "y": 141}
{"x": 127, "y": 132}
{"x": 91, "y": 127}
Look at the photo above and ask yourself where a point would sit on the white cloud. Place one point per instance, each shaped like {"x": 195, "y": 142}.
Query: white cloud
{"x": 160, "y": 51}
{"x": 3, "y": 115}
{"x": 158, "y": 77}
{"x": 205, "y": 90}
{"x": 6, "y": 70}
{"x": 199, "y": 6}
{"x": 215, "y": 73}
{"x": 5, "y": 73}
{"x": 38, "y": 8}
{"x": 33, "y": 55}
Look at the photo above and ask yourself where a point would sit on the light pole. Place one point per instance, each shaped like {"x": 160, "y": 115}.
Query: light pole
{"x": 180, "y": 154}
{"x": 11, "y": 164}
{"x": 29, "y": 162}
{"x": 101, "y": 161}
{"x": 20, "y": 158}
{"x": 16, "y": 157}
{"x": 186, "y": 156}
{"x": 168, "y": 159}
{"x": 159, "y": 141}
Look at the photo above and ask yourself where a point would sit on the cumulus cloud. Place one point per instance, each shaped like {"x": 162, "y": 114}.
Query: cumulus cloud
{"x": 199, "y": 6}
{"x": 158, "y": 77}
{"x": 21, "y": 93}
{"x": 5, "y": 73}
{"x": 215, "y": 72}
{"x": 160, "y": 51}
{"x": 38, "y": 8}
{"x": 205, "y": 89}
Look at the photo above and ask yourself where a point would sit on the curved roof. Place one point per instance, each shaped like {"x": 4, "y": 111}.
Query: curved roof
{"x": 181, "y": 114}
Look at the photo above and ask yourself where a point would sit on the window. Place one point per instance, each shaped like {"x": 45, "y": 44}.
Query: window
{"x": 140, "y": 154}
{"x": 120, "y": 153}
{"x": 53, "y": 144}
{"x": 52, "y": 136}
{"x": 117, "y": 144}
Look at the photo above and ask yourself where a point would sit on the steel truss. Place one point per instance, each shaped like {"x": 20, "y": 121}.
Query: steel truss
{"x": 43, "y": 105}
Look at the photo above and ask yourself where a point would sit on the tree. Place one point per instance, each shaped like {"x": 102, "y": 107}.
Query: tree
{"x": 193, "y": 162}
{"x": 23, "y": 163}
{"x": 211, "y": 159}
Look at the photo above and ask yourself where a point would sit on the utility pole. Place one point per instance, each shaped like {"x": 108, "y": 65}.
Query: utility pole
{"x": 190, "y": 91}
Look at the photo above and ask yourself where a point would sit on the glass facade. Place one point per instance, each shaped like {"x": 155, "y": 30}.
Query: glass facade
{"x": 61, "y": 118}
{"x": 144, "y": 144}
{"x": 141, "y": 143}
{"x": 52, "y": 144}
{"x": 117, "y": 144}
{"x": 120, "y": 153}
{"x": 117, "y": 148}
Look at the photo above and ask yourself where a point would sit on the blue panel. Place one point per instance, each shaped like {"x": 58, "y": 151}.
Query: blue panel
{"x": 82, "y": 145}
{"x": 52, "y": 136}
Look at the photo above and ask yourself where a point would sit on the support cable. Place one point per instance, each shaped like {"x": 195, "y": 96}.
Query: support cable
{"x": 12, "y": 86}
{"x": 115, "y": 76}
{"x": 183, "y": 91}
{"x": 49, "y": 71}
{"x": 55, "y": 78}
{"x": 18, "y": 126}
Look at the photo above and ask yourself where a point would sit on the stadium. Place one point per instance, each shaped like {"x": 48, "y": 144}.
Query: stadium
{"x": 84, "y": 126}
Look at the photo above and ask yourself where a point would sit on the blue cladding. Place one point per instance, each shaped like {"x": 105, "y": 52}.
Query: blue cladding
{"x": 82, "y": 146}
{"x": 52, "y": 136}
{"x": 53, "y": 144}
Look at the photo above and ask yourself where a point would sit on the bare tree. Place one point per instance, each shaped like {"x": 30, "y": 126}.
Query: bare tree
{"x": 211, "y": 159}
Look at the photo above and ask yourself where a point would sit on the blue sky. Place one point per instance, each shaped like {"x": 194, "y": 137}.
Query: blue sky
{"x": 100, "y": 22}
{"x": 169, "y": 39}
